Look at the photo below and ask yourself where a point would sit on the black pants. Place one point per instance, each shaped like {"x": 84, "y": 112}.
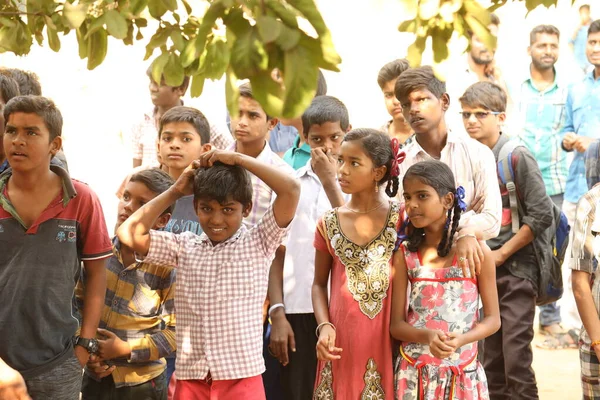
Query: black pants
{"x": 298, "y": 377}
{"x": 155, "y": 389}
{"x": 507, "y": 353}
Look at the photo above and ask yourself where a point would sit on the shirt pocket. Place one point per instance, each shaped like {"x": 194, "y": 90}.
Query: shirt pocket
{"x": 145, "y": 300}
{"x": 237, "y": 280}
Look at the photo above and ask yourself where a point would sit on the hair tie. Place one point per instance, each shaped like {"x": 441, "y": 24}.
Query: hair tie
{"x": 460, "y": 198}
{"x": 397, "y": 157}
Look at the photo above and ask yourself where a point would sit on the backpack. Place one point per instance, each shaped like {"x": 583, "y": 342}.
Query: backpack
{"x": 550, "y": 246}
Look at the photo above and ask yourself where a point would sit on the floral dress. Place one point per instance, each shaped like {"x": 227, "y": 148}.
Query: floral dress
{"x": 441, "y": 299}
{"x": 360, "y": 309}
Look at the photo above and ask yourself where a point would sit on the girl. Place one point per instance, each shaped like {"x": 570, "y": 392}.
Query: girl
{"x": 438, "y": 355}
{"x": 354, "y": 245}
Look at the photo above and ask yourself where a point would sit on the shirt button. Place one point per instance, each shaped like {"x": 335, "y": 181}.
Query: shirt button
{"x": 115, "y": 302}
{"x": 123, "y": 273}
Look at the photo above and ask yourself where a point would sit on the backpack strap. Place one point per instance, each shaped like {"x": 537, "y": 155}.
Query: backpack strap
{"x": 506, "y": 175}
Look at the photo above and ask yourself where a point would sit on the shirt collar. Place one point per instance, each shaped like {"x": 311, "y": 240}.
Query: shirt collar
{"x": 204, "y": 240}
{"x": 414, "y": 148}
{"x": 265, "y": 155}
{"x": 69, "y": 191}
{"x": 557, "y": 80}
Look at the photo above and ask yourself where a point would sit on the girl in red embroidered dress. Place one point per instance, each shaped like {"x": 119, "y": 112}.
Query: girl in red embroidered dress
{"x": 439, "y": 333}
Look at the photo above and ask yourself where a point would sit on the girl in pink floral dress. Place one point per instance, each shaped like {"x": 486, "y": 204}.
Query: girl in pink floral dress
{"x": 439, "y": 330}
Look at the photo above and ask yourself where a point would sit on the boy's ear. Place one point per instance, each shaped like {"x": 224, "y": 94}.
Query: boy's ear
{"x": 206, "y": 147}
{"x": 445, "y": 99}
{"x": 349, "y": 128}
{"x": 247, "y": 209}
{"x": 272, "y": 122}
{"x": 55, "y": 145}
{"x": 501, "y": 118}
{"x": 529, "y": 51}
{"x": 162, "y": 221}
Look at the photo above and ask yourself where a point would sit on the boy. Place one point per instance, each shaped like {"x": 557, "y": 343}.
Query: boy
{"x": 222, "y": 281}
{"x": 507, "y": 353}
{"x": 325, "y": 123}
{"x": 50, "y": 224}
{"x": 251, "y": 129}
{"x": 144, "y": 133}
{"x": 139, "y": 299}
{"x": 424, "y": 103}
{"x": 183, "y": 136}
{"x": 397, "y": 127}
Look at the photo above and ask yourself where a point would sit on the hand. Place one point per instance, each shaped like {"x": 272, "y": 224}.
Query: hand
{"x": 324, "y": 164}
{"x": 226, "y": 157}
{"x": 470, "y": 255}
{"x": 569, "y": 140}
{"x": 438, "y": 346}
{"x": 112, "y": 347}
{"x": 454, "y": 340}
{"x": 82, "y": 355}
{"x": 477, "y": 204}
{"x": 282, "y": 335}
{"x": 326, "y": 350}
{"x": 100, "y": 368}
{"x": 582, "y": 143}
{"x": 12, "y": 384}
{"x": 185, "y": 183}
{"x": 499, "y": 258}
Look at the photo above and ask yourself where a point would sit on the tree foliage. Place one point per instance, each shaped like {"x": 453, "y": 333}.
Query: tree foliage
{"x": 241, "y": 39}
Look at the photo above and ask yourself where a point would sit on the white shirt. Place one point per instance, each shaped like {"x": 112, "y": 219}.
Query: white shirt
{"x": 474, "y": 168}
{"x": 299, "y": 264}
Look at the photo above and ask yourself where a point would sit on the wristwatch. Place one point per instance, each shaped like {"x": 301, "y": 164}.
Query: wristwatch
{"x": 91, "y": 345}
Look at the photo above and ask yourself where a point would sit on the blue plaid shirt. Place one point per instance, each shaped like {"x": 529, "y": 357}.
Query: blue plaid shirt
{"x": 582, "y": 117}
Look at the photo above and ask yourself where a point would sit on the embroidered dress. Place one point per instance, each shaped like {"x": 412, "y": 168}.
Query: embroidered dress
{"x": 444, "y": 299}
{"x": 359, "y": 307}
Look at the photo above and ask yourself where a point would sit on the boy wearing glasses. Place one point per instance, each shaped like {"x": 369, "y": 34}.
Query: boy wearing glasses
{"x": 424, "y": 103}
{"x": 507, "y": 353}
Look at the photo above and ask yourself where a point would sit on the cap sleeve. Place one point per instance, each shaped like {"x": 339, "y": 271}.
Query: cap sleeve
{"x": 321, "y": 242}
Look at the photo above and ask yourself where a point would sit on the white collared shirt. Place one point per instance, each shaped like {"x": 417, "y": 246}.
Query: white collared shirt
{"x": 299, "y": 264}
{"x": 474, "y": 168}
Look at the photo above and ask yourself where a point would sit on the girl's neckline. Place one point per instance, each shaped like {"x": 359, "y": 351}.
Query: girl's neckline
{"x": 452, "y": 264}
{"x": 385, "y": 225}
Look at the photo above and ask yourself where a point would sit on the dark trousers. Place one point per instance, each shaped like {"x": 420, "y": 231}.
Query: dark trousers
{"x": 272, "y": 375}
{"x": 298, "y": 377}
{"x": 155, "y": 389}
{"x": 61, "y": 382}
{"x": 507, "y": 353}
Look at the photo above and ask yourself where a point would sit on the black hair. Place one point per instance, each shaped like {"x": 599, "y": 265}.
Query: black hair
{"x": 325, "y": 109}
{"x": 486, "y": 95}
{"x": 8, "y": 88}
{"x": 41, "y": 106}
{"x": 378, "y": 146}
{"x": 156, "y": 180}
{"x": 594, "y": 27}
{"x": 538, "y": 30}
{"x": 223, "y": 182}
{"x": 439, "y": 176}
{"x": 189, "y": 115}
{"x": 391, "y": 71}
{"x": 29, "y": 82}
{"x": 184, "y": 85}
{"x": 417, "y": 79}
{"x": 321, "y": 85}
{"x": 245, "y": 90}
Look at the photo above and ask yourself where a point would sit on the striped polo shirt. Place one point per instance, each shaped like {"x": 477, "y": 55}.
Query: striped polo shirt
{"x": 39, "y": 266}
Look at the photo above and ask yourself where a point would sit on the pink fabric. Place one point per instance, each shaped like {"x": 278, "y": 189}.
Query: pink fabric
{"x": 172, "y": 386}
{"x": 246, "y": 388}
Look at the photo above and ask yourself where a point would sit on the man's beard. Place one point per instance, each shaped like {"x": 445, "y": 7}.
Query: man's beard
{"x": 540, "y": 66}
{"x": 481, "y": 61}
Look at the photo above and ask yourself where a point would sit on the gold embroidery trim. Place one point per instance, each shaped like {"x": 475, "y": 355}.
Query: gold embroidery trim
{"x": 373, "y": 389}
{"x": 367, "y": 268}
{"x": 325, "y": 389}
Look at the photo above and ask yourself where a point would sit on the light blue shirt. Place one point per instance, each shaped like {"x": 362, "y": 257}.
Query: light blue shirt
{"x": 582, "y": 117}
{"x": 579, "y": 45}
{"x": 281, "y": 137}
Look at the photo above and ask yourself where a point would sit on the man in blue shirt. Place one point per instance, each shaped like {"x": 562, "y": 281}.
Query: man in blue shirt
{"x": 578, "y": 41}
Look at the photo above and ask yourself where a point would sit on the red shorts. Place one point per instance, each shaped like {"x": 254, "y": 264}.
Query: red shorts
{"x": 234, "y": 389}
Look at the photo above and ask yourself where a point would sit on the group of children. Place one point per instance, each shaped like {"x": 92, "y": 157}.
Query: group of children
{"x": 372, "y": 255}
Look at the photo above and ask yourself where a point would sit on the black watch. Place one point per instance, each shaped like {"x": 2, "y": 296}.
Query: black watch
{"x": 91, "y": 345}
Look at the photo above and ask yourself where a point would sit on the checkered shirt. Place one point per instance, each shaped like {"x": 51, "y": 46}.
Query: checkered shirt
{"x": 220, "y": 294}
{"x": 144, "y": 136}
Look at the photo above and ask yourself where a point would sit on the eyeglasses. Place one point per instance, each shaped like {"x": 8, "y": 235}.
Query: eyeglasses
{"x": 479, "y": 115}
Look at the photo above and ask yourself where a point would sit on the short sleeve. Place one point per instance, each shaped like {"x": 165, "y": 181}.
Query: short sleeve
{"x": 94, "y": 241}
{"x": 271, "y": 235}
{"x": 320, "y": 242}
{"x": 164, "y": 248}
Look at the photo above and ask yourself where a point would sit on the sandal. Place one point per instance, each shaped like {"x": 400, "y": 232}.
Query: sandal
{"x": 552, "y": 329}
{"x": 564, "y": 340}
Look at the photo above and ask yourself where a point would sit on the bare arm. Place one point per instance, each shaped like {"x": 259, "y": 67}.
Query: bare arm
{"x": 12, "y": 384}
{"x": 582, "y": 290}
{"x": 521, "y": 239}
{"x": 137, "y": 162}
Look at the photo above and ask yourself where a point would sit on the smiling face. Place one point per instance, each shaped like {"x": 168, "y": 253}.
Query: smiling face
{"x": 220, "y": 221}
{"x": 180, "y": 144}
{"x": 592, "y": 49}
{"x": 328, "y": 136}
{"x": 392, "y": 104}
{"x": 251, "y": 124}
{"x": 27, "y": 143}
{"x": 423, "y": 111}
{"x": 544, "y": 51}
{"x": 424, "y": 205}
{"x": 135, "y": 195}
{"x": 356, "y": 171}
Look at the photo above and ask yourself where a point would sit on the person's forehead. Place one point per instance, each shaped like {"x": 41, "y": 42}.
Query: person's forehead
{"x": 249, "y": 104}
{"x": 325, "y": 129}
{"x": 543, "y": 38}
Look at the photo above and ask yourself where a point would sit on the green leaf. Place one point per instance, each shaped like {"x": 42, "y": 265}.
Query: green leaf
{"x": 83, "y": 46}
{"x": 268, "y": 28}
{"x": 232, "y": 92}
{"x": 141, "y": 22}
{"x": 53, "y": 40}
{"x": 428, "y": 8}
{"x": 159, "y": 39}
{"x": 481, "y": 31}
{"x": 170, "y": 5}
{"x": 129, "y": 38}
{"x": 157, "y": 67}
{"x": 286, "y": 15}
{"x": 157, "y": 8}
{"x": 95, "y": 26}
{"x": 439, "y": 43}
{"x": 474, "y": 9}
{"x": 309, "y": 9}
{"x": 315, "y": 48}
{"x": 415, "y": 51}
{"x": 97, "y": 46}
{"x": 248, "y": 55}
{"x": 178, "y": 40}
{"x": 197, "y": 85}
{"x": 288, "y": 38}
{"x": 137, "y": 6}
{"x": 74, "y": 14}
{"x": 116, "y": 24}
{"x": 216, "y": 60}
{"x": 300, "y": 77}
{"x": 188, "y": 9}
{"x": 235, "y": 22}
{"x": 330, "y": 55}
{"x": 173, "y": 71}
{"x": 7, "y": 22}
{"x": 408, "y": 26}
{"x": 268, "y": 93}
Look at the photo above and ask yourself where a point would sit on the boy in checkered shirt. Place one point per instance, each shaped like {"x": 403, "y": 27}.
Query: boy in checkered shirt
{"x": 222, "y": 274}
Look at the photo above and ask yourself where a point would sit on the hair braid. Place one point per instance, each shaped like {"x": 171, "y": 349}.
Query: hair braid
{"x": 442, "y": 252}
{"x": 415, "y": 238}
{"x": 392, "y": 186}
{"x": 455, "y": 220}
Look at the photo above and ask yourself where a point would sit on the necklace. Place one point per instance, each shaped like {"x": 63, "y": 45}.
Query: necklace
{"x": 365, "y": 212}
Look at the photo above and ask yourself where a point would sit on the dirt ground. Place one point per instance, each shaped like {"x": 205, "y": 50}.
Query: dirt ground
{"x": 557, "y": 372}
